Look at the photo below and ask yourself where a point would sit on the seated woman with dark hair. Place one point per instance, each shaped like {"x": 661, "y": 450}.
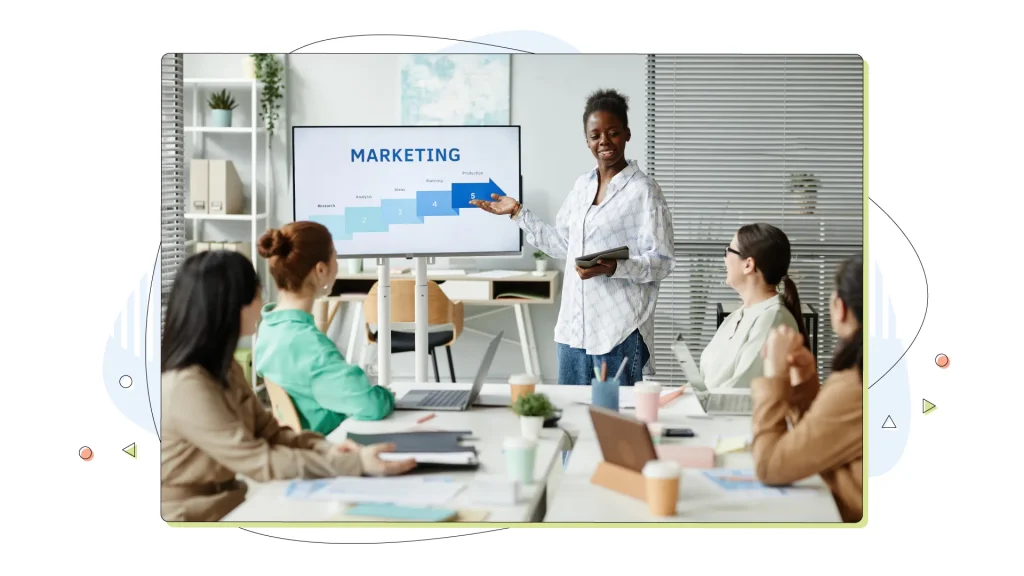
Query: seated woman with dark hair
{"x": 825, "y": 431}
{"x": 213, "y": 428}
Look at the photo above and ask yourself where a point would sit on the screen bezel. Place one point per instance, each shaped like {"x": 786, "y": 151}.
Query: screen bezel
{"x": 519, "y": 138}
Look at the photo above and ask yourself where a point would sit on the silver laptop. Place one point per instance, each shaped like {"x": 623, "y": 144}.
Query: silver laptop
{"x": 732, "y": 402}
{"x": 450, "y": 400}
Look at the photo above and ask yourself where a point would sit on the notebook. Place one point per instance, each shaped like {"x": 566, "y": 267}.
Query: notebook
{"x": 430, "y": 449}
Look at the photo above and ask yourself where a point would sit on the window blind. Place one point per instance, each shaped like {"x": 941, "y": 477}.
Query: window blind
{"x": 734, "y": 140}
{"x": 172, "y": 174}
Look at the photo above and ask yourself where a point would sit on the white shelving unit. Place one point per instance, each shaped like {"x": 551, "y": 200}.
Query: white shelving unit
{"x": 258, "y": 220}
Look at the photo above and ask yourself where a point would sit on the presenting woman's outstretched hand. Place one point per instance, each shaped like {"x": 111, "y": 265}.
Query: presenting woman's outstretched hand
{"x": 500, "y": 205}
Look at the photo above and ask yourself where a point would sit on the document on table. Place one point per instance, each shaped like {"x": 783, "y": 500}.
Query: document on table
{"x": 744, "y": 483}
{"x": 498, "y": 274}
{"x": 407, "y": 491}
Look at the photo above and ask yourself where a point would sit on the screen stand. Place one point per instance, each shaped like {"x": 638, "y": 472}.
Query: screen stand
{"x": 422, "y": 324}
{"x": 383, "y": 322}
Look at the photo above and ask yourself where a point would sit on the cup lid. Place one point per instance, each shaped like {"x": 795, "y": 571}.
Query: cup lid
{"x": 521, "y": 379}
{"x": 662, "y": 469}
{"x": 647, "y": 386}
{"x": 519, "y": 443}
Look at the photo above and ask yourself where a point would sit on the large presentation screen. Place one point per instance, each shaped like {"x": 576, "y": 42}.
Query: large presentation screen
{"x": 404, "y": 191}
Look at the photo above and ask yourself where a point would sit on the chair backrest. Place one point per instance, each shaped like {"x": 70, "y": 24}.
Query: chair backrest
{"x": 403, "y": 303}
{"x": 283, "y": 407}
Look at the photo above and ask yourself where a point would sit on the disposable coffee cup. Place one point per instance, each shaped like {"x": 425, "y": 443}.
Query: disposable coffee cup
{"x": 647, "y": 396}
{"x": 520, "y": 457}
{"x": 521, "y": 384}
{"x": 656, "y": 429}
{"x": 661, "y": 486}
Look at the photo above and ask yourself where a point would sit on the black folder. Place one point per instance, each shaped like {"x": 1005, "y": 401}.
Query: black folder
{"x": 431, "y": 450}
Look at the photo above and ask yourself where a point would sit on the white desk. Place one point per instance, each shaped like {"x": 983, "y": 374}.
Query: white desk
{"x": 468, "y": 289}
{"x": 577, "y": 500}
{"x": 265, "y": 502}
{"x": 570, "y": 497}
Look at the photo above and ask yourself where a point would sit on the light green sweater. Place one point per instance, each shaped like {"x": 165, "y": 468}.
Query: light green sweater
{"x": 292, "y": 353}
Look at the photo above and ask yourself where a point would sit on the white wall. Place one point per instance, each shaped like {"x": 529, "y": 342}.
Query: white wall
{"x": 548, "y": 95}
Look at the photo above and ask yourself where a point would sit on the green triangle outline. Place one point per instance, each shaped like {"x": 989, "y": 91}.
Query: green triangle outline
{"x": 130, "y": 449}
{"x": 927, "y": 407}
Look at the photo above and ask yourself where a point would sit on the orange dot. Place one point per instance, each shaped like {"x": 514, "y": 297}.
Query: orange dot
{"x": 942, "y": 361}
{"x": 85, "y": 453}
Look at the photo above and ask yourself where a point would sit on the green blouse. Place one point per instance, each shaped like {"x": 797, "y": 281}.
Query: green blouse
{"x": 292, "y": 353}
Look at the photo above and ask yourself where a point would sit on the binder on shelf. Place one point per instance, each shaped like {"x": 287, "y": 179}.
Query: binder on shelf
{"x": 202, "y": 247}
{"x": 216, "y": 246}
{"x": 199, "y": 187}
{"x": 243, "y": 248}
{"x": 225, "y": 188}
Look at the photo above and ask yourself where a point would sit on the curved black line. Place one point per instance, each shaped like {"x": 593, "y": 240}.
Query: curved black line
{"x": 145, "y": 341}
{"x": 412, "y": 36}
{"x": 925, "y": 294}
{"x": 372, "y": 543}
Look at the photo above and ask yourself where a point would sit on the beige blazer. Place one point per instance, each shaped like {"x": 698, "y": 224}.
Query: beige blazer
{"x": 826, "y": 436}
{"x": 210, "y": 435}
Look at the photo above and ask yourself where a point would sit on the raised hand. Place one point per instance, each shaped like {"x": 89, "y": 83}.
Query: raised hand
{"x": 500, "y": 205}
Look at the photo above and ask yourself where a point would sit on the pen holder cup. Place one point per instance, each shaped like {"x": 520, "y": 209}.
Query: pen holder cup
{"x": 605, "y": 394}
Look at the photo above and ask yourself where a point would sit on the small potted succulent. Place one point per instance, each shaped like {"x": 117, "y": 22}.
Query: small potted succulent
{"x": 222, "y": 103}
{"x": 542, "y": 261}
{"x": 533, "y": 410}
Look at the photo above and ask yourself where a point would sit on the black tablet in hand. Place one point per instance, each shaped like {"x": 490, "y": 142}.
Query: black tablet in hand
{"x": 590, "y": 260}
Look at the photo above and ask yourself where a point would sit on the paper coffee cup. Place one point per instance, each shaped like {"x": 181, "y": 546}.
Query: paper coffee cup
{"x": 520, "y": 457}
{"x": 656, "y": 429}
{"x": 520, "y": 384}
{"x": 647, "y": 396}
{"x": 661, "y": 486}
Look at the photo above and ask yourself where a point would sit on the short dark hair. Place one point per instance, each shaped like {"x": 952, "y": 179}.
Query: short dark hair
{"x": 850, "y": 289}
{"x": 202, "y": 323}
{"x": 294, "y": 250}
{"x": 607, "y": 101}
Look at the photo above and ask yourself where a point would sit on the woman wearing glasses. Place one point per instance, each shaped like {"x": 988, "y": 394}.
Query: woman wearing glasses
{"x": 757, "y": 268}
{"x": 607, "y": 312}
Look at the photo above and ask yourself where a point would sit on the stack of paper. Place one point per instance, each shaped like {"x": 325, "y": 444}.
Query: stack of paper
{"x": 407, "y": 491}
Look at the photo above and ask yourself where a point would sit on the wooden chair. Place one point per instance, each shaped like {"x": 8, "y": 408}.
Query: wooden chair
{"x": 440, "y": 312}
{"x": 282, "y": 406}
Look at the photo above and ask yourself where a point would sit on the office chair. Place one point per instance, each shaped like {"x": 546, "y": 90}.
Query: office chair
{"x": 440, "y": 312}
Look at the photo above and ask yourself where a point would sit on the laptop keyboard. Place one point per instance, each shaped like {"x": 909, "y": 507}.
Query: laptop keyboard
{"x": 445, "y": 398}
{"x": 736, "y": 403}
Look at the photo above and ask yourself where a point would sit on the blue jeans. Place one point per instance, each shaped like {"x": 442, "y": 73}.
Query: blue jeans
{"x": 575, "y": 366}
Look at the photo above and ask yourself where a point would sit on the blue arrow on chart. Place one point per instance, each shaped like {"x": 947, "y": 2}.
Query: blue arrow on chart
{"x": 463, "y": 193}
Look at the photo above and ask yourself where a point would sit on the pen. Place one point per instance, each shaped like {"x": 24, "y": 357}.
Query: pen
{"x": 621, "y": 368}
{"x": 426, "y": 418}
{"x": 604, "y": 371}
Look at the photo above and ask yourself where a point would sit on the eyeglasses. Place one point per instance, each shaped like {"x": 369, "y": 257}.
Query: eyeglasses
{"x": 729, "y": 249}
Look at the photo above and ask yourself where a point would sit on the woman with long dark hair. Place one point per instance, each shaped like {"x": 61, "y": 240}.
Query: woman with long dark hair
{"x": 213, "y": 427}
{"x": 757, "y": 267}
{"x": 802, "y": 429}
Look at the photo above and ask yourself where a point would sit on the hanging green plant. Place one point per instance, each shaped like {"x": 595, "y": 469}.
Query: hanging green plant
{"x": 269, "y": 71}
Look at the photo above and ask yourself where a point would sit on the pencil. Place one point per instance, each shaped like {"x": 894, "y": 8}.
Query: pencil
{"x": 426, "y": 418}
{"x": 604, "y": 371}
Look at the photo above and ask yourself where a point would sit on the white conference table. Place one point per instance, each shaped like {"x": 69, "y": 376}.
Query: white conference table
{"x": 700, "y": 500}
{"x": 567, "y": 495}
{"x": 266, "y": 502}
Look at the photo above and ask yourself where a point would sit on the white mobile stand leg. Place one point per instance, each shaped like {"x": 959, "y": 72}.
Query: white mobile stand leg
{"x": 422, "y": 326}
{"x": 383, "y": 322}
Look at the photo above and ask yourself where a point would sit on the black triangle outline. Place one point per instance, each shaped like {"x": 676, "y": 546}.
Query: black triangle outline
{"x": 889, "y": 419}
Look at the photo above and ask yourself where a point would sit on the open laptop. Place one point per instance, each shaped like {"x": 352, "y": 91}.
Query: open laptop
{"x": 450, "y": 400}
{"x": 730, "y": 402}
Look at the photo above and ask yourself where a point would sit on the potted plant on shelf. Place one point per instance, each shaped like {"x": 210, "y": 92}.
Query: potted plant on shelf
{"x": 542, "y": 261}
{"x": 269, "y": 72}
{"x": 222, "y": 103}
{"x": 532, "y": 409}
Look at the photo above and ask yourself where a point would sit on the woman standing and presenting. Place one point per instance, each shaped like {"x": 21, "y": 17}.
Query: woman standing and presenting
{"x": 607, "y": 312}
